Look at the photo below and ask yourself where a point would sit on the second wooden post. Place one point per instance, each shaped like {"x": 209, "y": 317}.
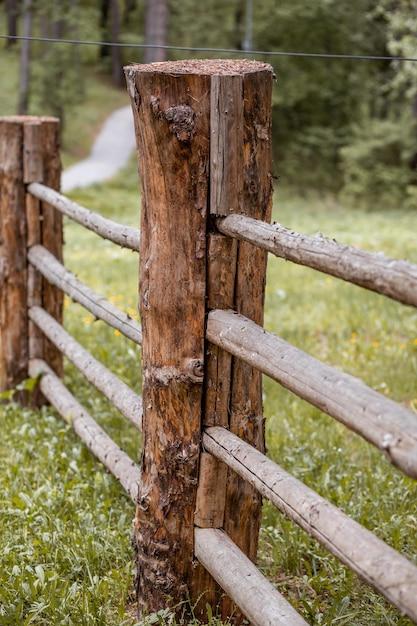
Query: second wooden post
{"x": 203, "y": 136}
{"x": 29, "y": 152}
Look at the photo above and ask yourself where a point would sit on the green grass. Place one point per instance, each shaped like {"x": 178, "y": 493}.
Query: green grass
{"x": 65, "y": 525}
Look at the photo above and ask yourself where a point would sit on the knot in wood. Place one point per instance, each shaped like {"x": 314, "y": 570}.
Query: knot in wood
{"x": 195, "y": 370}
{"x": 181, "y": 121}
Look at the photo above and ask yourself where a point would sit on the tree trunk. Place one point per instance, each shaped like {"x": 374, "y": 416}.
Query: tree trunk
{"x": 239, "y": 26}
{"x": 116, "y": 57}
{"x": 156, "y": 24}
{"x": 12, "y": 9}
{"x": 104, "y": 27}
{"x": 23, "y": 103}
{"x": 129, "y": 7}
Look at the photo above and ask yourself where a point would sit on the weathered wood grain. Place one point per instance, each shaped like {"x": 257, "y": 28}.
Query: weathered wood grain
{"x": 211, "y": 493}
{"x": 396, "y": 279}
{"x": 115, "y": 390}
{"x": 29, "y": 152}
{"x": 58, "y": 275}
{"x": 389, "y": 426}
{"x": 262, "y": 604}
{"x": 13, "y": 273}
{"x": 243, "y": 502}
{"x": 52, "y": 233}
{"x": 376, "y": 563}
{"x": 124, "y": 236}
{"x": 33, "y": 170}
{"x": 226, "y": 143}
{"x": 171, "y": 112}
{"x": 87, "y": 429}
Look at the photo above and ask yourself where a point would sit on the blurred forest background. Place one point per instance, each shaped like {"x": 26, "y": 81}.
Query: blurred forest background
{"x": 344, "y": 126}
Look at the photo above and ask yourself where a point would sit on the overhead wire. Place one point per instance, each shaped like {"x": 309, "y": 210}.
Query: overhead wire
{"x": 269, "y": 53}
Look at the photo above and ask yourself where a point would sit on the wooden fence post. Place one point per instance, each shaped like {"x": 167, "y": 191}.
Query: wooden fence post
{"x": 29, "y": 152}
{"x": 203, "y": 136}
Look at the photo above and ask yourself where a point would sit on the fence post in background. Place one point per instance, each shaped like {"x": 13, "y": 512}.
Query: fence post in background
{"x": 29, "y": 152}
{"x": 203, "y": 136}
{"x": 13, "y": 275}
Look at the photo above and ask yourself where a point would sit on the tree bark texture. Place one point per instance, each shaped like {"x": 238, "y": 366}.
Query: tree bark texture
{"x": 13, "y": 274}
{"x": 203, "y": 136}
{"x": 29, "y": 151}
{"x": 172, "y": 122}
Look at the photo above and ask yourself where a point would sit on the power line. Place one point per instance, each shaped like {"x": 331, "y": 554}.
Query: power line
{"x": 274, "y": 53}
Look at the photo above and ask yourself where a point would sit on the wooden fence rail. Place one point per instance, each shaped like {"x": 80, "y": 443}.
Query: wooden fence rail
{"x": 203, "y": 133}
{"x": 87, "y": 429}
{"x": 102, "y": 309}
{"x": 376, "y": 563}
{"x": 242, "y": 581}
{"x": 124, "y": 236}
{"x": 124, "y": 399}
{"x": 396, "y": 279}
{"x": 389, "y": 426}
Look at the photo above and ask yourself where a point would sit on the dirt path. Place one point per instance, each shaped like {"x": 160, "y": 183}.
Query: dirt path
{"x": 110, "y": 152}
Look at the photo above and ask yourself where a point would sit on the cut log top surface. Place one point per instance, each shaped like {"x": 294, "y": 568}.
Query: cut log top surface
{"x": 205, "y": 67}
{"x": 23, "y": 119}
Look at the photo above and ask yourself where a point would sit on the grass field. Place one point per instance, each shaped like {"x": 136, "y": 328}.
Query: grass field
{"x": 65, "y": 524}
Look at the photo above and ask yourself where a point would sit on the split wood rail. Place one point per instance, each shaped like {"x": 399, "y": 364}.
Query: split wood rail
{"x": 203, "y": 136}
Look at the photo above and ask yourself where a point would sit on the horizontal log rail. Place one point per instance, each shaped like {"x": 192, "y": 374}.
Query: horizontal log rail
{"x": 379, "y": 565}
{"x": 58, "y": 275}
{"x": 389, "y": 426}
{"x": 115, "y": 390}
{"x": 258, "y": 599}
{"x": 124, "y": 236}
{"x": 87, "y": 429}
{"x": 393, "y": 278}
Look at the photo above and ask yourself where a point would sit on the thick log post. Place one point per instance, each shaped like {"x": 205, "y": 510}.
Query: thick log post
{"x": 203, "y": 136}
{"x": 171, "y": 109}
{"x": 13, "y": 275}
{"x": 29, "y": 152}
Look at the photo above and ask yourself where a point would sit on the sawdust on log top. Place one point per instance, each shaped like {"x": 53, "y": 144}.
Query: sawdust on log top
{"x": 203, "y": 67}
{"x": 22, "y": 119}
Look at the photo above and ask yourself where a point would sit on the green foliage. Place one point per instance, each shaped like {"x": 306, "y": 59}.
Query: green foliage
{"x": 329, "y": 116}
{"x": 376, "y": 163}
